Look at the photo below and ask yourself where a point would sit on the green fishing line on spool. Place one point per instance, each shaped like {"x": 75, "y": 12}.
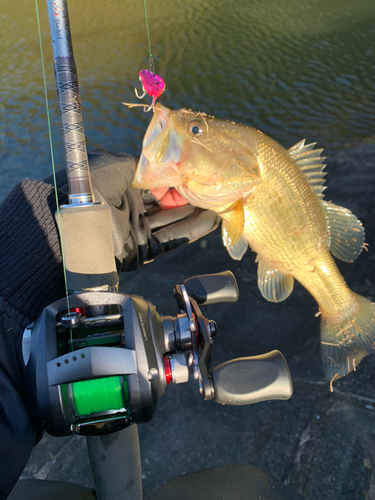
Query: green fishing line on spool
{"x": 100, "y": 394}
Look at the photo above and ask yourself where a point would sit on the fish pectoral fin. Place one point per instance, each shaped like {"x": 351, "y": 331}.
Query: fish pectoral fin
{"x": 274, "y": 285}
{"x": 232, "y": 225}
{"x": 238, "y": 250}
{"x": 346, "y": 232}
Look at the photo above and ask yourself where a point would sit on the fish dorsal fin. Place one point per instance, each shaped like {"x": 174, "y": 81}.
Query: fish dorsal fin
{"x": 346, "y": 232}
{"x": 311, "y": 164}
{"x": 233, "y": 224}
{"x": 238, "y": 250}
{"x": 274, "y": 285}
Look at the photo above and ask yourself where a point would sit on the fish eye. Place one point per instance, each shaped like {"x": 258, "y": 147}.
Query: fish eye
{"x": 196, "y": 127}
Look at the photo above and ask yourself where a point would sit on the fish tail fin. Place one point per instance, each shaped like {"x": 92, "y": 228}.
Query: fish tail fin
{"x": 347, "y": 338}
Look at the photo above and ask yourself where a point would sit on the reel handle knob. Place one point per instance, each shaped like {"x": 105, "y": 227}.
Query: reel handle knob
{"x": 212, "y": 288}
{"x": 249, "y": 380}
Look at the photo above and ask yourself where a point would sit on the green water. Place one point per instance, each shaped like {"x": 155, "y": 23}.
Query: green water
{"x": 293, "y": 69}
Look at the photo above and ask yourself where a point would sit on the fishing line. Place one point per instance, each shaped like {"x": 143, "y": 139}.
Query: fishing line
{"x": 151, "y": 60}
{"x": 91, "y": 396}
{"x": 152, "y": 84}
{"x": 52, "y": 158}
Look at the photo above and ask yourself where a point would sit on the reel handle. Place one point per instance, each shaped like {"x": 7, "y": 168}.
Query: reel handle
{"x": 249, "y": 380}
{"x": 212, "y": 288}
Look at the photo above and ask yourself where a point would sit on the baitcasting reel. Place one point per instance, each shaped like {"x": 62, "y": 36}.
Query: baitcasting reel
{"x": 101, "y": 363}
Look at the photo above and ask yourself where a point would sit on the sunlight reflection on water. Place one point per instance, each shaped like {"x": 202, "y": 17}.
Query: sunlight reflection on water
{"x": 292, "y": 69}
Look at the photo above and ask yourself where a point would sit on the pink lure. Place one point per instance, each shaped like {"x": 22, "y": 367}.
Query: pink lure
{"x": 152, "y": 84}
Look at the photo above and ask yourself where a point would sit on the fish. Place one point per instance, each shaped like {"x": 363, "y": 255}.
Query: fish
{"x": 271, "y": 200}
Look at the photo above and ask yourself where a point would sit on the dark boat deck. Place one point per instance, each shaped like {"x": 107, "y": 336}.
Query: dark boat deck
{"x": 322, "y": 444}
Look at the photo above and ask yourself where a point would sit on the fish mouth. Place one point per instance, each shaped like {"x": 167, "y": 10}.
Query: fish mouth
{"x": 159, "y": 163}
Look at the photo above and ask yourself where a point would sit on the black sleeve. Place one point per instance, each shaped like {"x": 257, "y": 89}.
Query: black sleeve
{"x": 30, "y": 278}
{"x": 18, "y": 433}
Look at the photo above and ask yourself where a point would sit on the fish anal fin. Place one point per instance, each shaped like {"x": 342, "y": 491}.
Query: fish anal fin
{"x": 232, "y": 225}
{"x": 346, "y": 232}
{"x": 237, "y": 251}
{"x": 274, "y": 285}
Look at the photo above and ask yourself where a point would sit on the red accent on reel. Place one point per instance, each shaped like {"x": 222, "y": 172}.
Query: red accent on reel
{"x": 80, "y": 310}
{"x": 168, "y": 370}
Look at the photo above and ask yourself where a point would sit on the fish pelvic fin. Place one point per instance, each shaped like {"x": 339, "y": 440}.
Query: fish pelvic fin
{"x": 347, "y": 233}
{"x": 274, "y": 285}
{"x": 347, "y": 338}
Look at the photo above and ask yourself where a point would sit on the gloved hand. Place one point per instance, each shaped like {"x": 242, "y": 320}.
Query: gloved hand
{"x": 141, "y": 229}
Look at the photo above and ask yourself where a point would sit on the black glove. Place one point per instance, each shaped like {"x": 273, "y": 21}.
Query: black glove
{"x": 141, "y": 229}
{"x": 32, "y": 277}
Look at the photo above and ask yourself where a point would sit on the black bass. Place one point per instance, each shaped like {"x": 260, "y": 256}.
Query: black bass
{"x": 271, "y": 199}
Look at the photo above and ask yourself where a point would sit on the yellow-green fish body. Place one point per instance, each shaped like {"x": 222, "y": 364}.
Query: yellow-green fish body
{"x": 272, "y": 200}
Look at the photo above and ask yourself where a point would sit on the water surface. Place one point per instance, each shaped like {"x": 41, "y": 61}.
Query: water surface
{"x": 292, "y": 68}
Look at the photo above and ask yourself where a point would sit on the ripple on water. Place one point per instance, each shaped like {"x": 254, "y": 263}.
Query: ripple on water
{"x": 293, "y": 69}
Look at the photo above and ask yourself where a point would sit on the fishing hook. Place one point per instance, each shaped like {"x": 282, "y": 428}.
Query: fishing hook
{"x": 136, "y": 92}
{"x": 152, "y": 71}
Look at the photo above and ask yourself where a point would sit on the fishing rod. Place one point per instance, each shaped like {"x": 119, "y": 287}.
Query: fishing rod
{"x": 77, "y": 165}
{"x": 85, "y": 225}
{"x": 89, "y": 266}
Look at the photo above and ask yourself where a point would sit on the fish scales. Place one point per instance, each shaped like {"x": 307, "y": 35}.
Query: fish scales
{"x": 300, "y": 214}
{"x": 284, "y": 190}
{"x": 271, "y": 199}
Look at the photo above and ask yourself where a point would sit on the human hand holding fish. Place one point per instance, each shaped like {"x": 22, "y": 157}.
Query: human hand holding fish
{"x": 270, "y": 199}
